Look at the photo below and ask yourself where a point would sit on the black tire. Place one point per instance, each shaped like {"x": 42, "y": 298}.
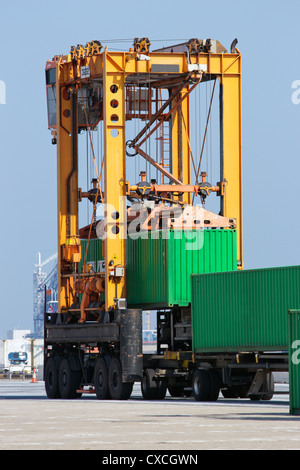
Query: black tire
{"x": 162, "y": 386}
{"x": 176, "y": 390}
{"x": 153, "y": 389}
{"x": 179, "y": 391}
{"x": 148, "y": 385}
{"x": 101, "y": 379}
{"x": 242, "y": 390}
{"x": 201, "y": 385}
{"x": 214, "y": 385}
{"x": 69, "y": 380}
{"x": 51, "y": 377}
{"x": 230, "y": 392}
{"x": 118, "y": 390}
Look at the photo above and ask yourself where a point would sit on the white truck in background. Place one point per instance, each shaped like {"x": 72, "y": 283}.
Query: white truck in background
{"x": 18, "y": 365}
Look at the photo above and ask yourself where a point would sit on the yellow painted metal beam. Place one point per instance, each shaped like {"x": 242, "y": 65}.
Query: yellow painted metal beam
{"x": 127, "y": 62}
{"x": 231, "y": 148}
{"x": 114, "y": 171}
{"x": 67, "y": 186}
{"x": 180, "y": 135}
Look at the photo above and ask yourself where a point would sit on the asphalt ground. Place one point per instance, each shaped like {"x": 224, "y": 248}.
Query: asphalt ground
{"x": 30, "y": 421}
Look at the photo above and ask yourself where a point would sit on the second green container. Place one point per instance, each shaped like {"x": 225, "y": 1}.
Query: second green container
{"x": 244, "y": 310}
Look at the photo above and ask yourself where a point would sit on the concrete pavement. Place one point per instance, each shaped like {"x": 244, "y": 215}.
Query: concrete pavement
{"x": 29, "y": 420}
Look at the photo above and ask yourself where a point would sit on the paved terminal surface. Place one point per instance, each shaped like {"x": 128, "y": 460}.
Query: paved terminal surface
{"x": 29, "y": 420}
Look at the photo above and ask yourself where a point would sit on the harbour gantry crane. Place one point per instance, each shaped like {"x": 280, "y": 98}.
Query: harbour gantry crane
{"x": 92, "y": 85}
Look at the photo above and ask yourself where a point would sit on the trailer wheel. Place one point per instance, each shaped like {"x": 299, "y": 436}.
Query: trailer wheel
{"x": 153, "y": 389}
{"x": 101, "y": 379}
{"x": 176, "y": 390}
{"x": 214, "y": 385}
{"x": 230, "y": 392}
{"x": 148, "y": 385}
{"x": 69, "y": 380}
{"x": 162, "y": 386}
{"x": 118, "y": 390}
{"x": 201, "y": 385}
{"x": 51, "y": 377}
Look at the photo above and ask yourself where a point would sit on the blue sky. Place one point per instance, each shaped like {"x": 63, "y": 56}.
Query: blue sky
{"x": 32, "y": 32}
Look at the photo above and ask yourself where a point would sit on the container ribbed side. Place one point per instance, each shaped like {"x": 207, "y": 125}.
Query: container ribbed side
{"x": 160, "y": 264}
{"x": 197, "y": 251}
{"x": 244, "y": 310}
{"x": 93, "y": 254}
{"x": 146, "y": 270}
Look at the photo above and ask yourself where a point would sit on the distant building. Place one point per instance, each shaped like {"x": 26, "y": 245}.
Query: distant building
{"x": 18, "y": 334}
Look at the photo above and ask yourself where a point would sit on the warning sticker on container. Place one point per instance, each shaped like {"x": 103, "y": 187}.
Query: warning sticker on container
{"x": 85, "y": 71}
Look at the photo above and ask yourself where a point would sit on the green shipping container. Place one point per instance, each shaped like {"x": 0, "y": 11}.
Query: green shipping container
{"x": 159, "y": 269}
{"x": 294, "y": 361}
{"x": 244, "y": 310}
{"x": 159, "y": 264}
{"x": 93, "y": 254}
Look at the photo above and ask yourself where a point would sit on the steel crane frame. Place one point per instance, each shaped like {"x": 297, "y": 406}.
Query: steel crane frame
{"x": 113, "y": 71}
